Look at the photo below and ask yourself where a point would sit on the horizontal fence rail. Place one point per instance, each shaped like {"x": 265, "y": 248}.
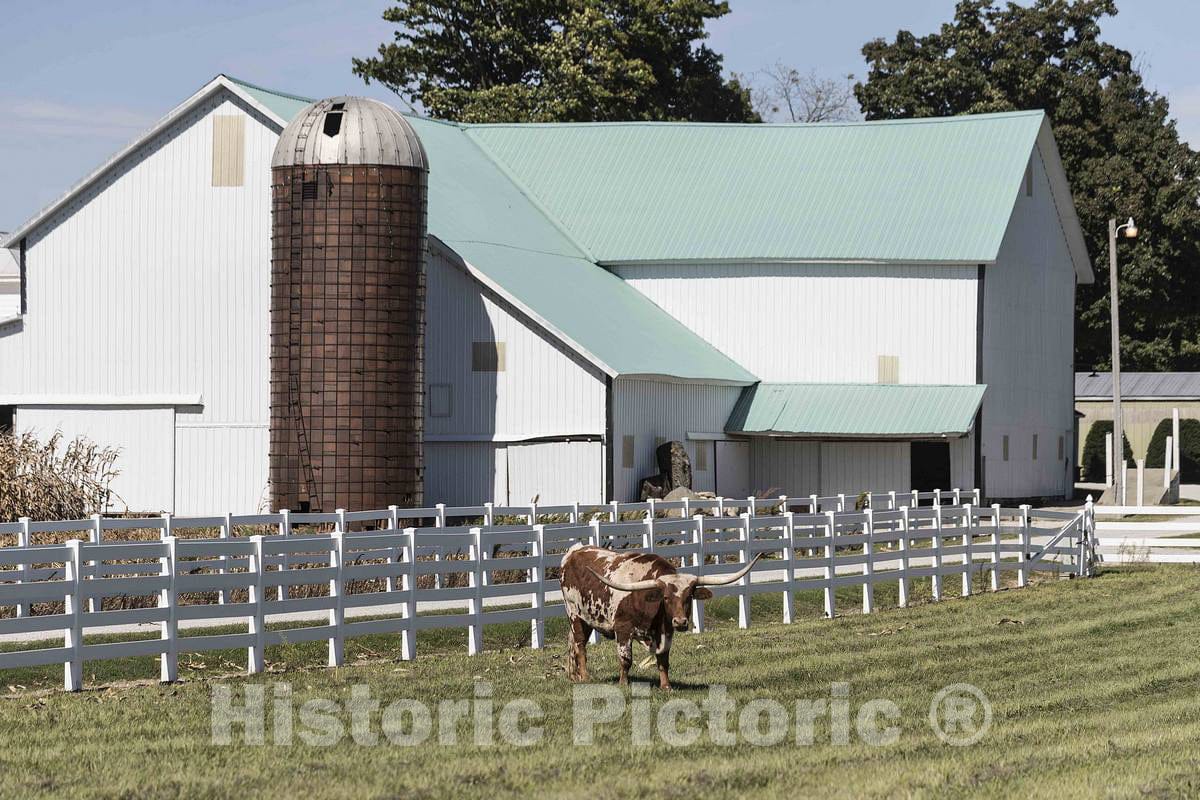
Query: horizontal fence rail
{"x": 370, "y": 573}
{"x": 1154, "y": 534}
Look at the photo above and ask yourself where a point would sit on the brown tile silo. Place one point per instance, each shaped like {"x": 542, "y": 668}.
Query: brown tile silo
{"x": 347, "y": 309}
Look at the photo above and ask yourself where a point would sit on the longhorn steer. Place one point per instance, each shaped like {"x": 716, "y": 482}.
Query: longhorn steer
{"x": 629, "y": 596}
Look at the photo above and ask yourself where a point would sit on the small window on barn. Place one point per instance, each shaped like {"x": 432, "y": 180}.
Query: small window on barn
{"x": 888, "y": 369}
{"x": 1061, "y": 448}
{"x": 1029, "y": 179}
{"x": 702, "y": 456}
{"x": 1035, "y": 447}
{"x": 228, "y": 150}
{"x": 487, "y": 356}
{"x": 439, "y": 399}
{"x": 627, "y": 452}
{"x": 1004, "y": 453}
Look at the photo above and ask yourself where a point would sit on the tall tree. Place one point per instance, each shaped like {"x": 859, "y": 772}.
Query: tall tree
{"x": 1118, "y": 142}
{"x": 782, "y": 93}
{"x": 549, "y": 60}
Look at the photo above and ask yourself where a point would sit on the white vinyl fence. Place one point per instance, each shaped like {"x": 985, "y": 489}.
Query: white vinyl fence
{"x": 371, "y": 566}
{"x": 1164, "y": 539}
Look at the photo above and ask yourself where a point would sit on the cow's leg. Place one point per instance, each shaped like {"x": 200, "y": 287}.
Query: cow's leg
{"x": 577, "y": 652}
{"x": 664, "y": 665}
{"x": 625, "y": 656}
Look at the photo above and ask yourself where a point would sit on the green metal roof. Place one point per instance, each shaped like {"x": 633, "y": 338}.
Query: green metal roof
{"x": 480, "y": 213}
{"x": 283, "y": 105}
{"x": 855, "y": 410}
{"x": 938, "y": 190}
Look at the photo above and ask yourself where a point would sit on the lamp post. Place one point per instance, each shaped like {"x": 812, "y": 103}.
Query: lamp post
{"x": 1126, "y": 231}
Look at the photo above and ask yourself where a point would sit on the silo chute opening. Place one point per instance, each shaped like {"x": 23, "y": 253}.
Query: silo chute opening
{"x": 333, "y": 123}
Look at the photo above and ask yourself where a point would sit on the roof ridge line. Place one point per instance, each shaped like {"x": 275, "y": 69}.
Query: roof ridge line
{"x": 759, "y": 125}
{"x": 288, "y": 95}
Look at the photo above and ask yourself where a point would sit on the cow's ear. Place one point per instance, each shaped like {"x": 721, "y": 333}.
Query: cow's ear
{"x": 701, "y": 593}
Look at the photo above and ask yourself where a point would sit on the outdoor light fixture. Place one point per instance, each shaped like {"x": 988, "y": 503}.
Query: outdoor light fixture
{"x": 1129, "y": 230}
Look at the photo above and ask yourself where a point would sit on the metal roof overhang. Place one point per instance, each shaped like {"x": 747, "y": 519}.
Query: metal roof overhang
{"x": 856, "y": 411}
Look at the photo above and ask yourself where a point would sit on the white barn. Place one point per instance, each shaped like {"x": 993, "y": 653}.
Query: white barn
{"x": 827, "y": 308}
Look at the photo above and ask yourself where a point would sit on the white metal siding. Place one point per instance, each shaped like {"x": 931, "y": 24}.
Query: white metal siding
{"x": 555, "y": 472}
{"x": 853, "y": 467}
{"x": 471, "y": 473}
{"x": 144, "y": 436}
{"x": 650, "y": 410}
{"x": 788, "y": 467}
{"x": 1027, "y": 350}
{"x": 825, "y": 322}
{"x": 220, "y": 478}
{"x": 544, "y": 389}
{"x": 153, "y": 282}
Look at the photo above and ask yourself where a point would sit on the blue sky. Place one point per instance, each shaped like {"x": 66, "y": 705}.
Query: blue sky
{"x": 82, "y": 79}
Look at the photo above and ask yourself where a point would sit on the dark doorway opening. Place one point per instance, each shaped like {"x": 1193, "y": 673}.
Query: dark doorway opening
{"x": 7, "y": 415}
{"x": 930, "y": 463}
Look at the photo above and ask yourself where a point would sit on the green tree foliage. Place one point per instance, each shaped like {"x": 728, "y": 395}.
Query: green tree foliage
{"x": 557, "y": 60}
{"x": 1092, "y": 463}
{"x": 1189, "y": 448}
{"x": 1119, "y": 146}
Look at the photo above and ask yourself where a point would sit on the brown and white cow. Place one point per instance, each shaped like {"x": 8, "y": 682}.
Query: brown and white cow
{"x": 631, "y": 597}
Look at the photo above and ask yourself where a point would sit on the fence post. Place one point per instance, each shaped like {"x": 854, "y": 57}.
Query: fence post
{"x": 168, "y": 599}
{"x": 337, "y": 613}
{"x": 23, "y": 540}
{"x": 1023, "y": 553}
{"x": 72, "y": 605}
{"x": 868, "y": 567}
{"x": 285, "y": 563}
{"x": 744, "y": 594}
{"x": 916, "y": 499}
{"x": 830, "y": 565}
{"x": 841, "y": 502}
{"x": 968, "y": 559}
{"x": 1124, "y": 482}
{"x": 789, "y": 556}
{"x": 393, "y": 525}
{"x": 537, "y": 632}
{"x": 813, "y": 504}
{"x": 475, "y": 604}
{"x": 686, "y": 512}
{"x": 1141, "y": 481}
{"x": 614, "y": 511}
{"x": 902, "y": 588}
{"x": 575, "y": 513}
{"x": 438, "y": 522}
{"x": 255, "y": 657}
{"x": 698, "y": 563}
{"x": 958, "y": 497}
{"x": 648, "y": 535}
{"x": 1089, "y": 509}
{"x": 408, "y": 637}
{"x": 594, "y": 540}
{"x": 752, "y": 506}
{"x": 1167, "y": 464}
{"x": 1175, "y": 443}
{"x": 978, "y": 497}
{"x": 489, "y": 514}
{"x": 226, "y": 533}
{"x": 721, "y": 506}
{"x": 783, "y": 504}
{"x": 1109, "y": 463}
{"x": 935, "y": 583}
{"x": 533, "y": 514}
{"x": 995, "y": 582}
{"x": 94, "y": 603}
{"x": 891, "y": 500}
{"x": 937, "y": 497}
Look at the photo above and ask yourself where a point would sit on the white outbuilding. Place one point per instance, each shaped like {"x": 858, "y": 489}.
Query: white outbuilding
{"x": 809, "y": 308}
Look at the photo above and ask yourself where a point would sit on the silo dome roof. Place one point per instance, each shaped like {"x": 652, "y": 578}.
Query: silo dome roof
{"x": 349, "y": 130}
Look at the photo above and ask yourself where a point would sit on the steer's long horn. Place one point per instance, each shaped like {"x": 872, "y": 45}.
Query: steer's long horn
{"x": 636, "y": 586}
{"x": 705, "y": 580}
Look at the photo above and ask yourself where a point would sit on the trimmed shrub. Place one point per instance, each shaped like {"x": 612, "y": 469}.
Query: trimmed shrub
{"x": 1189, "y": 448}
{"x": 1092, "y": 463}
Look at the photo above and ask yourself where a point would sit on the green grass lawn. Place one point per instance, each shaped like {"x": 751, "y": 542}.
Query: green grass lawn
{"x": 1093, "y": 685}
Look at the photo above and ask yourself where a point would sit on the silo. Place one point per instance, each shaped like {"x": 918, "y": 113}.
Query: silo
{"x": 347, "y": 308}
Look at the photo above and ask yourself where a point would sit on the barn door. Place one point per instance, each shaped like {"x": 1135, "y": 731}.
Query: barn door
{"x": 733, "y": 469}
